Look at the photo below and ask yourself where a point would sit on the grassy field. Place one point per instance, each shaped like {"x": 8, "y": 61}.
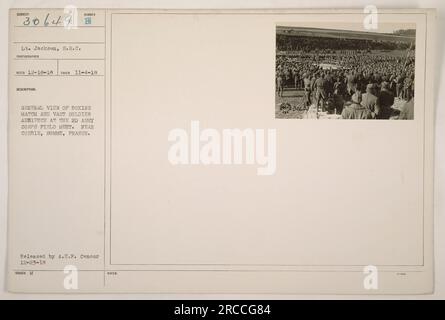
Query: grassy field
{"x": 295, "y": 98}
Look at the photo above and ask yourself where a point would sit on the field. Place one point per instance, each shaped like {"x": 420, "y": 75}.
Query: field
{"x": 295, "y": 98}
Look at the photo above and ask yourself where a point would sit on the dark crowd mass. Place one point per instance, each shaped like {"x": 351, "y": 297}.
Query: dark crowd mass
{"x": 354, "y": 78}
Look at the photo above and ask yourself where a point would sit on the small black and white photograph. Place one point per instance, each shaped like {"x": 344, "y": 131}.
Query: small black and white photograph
{"x": 347, "y": 73}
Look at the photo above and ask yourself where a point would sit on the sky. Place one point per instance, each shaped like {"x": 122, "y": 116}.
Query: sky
{"x": 382, "y": 27}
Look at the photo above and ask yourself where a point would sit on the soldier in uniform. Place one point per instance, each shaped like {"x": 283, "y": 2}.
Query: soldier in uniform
{"x": 279, "y": 84}
{"x": 320, "y": 92}
{"x": 307, "y": 90}
{"x": 369, "y": 100}
{"x": 384, "y": 102}
{"x": 354, "y": 110}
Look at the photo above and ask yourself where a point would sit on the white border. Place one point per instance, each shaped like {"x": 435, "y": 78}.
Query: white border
{"x": 232, "y": 4}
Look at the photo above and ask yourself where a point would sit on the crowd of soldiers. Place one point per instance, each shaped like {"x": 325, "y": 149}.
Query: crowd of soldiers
{"x": 317, "y": 44}
{"x": 358, "y": 86}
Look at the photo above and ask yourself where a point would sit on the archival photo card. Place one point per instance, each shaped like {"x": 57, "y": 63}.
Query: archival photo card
{"x": 146, "y": 156}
